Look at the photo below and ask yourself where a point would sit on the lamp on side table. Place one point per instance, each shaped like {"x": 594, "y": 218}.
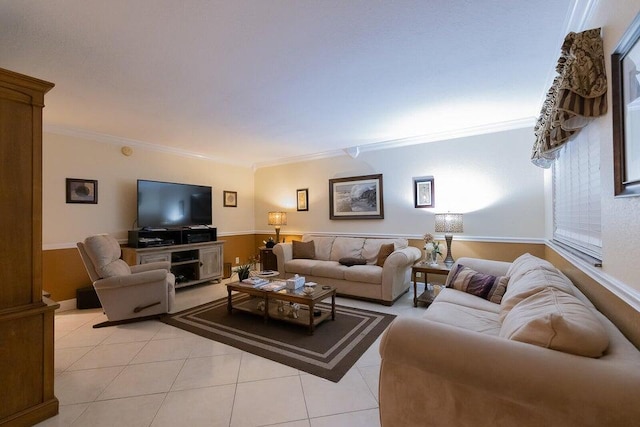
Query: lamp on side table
{"x": 449, "y": 223}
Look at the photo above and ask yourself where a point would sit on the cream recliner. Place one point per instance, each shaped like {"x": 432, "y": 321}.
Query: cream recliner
{"x": 127, "y": 293}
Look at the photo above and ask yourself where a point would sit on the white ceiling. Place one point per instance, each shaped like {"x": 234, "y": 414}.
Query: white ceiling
{"x": 263, "y": 81}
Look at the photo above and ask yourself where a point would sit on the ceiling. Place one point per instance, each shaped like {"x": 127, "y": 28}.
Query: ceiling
{"x": 267, "y": 81}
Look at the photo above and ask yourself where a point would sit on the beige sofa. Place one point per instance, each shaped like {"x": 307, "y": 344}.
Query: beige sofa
{"x": 531, "y": 360}
{"x": 369, "y": 281}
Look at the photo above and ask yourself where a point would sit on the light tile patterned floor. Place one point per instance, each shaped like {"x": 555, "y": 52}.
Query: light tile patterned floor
{"x": 152, "y": 374}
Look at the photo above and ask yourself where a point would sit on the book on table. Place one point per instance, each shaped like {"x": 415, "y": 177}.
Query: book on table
{"x": 254, "y": 282}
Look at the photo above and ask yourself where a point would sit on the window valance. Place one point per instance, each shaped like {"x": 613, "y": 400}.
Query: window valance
{"x": 577, "y": 95}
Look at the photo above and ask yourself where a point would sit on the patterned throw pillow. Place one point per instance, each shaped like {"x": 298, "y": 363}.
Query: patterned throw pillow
{"x": 485, "y": 286}
{"x": 303, "y": 250}
{"x": 385, "y": 251}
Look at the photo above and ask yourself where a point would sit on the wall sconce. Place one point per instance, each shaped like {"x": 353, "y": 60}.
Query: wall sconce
{"x": 277, "y": 219}
{"x": 449, "y": 223}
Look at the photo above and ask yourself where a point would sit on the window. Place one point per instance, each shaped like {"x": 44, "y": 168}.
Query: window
{"x": 576, "y": 196}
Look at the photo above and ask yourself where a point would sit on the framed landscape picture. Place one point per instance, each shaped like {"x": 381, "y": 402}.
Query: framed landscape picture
{"x": 358, "y": 197}
{"x": 302, "y": 198}
{"x": 423, "y": 193}
{"x": 82, "y": 190}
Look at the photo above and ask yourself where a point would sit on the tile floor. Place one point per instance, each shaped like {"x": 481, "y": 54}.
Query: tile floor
{"x": 152, "y": 374}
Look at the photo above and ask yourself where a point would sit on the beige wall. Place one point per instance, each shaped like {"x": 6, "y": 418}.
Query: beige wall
{"x": 73, "y": 157}
{"x": 488, "y": 177}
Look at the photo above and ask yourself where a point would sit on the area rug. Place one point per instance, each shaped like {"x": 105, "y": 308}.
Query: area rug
{"x": 329, "y": 353}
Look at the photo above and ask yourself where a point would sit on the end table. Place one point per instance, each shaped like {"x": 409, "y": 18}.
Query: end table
{"x": 425, "y": 268}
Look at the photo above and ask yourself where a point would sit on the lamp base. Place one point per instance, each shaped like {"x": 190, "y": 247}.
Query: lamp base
{"x": 448, "y": 261}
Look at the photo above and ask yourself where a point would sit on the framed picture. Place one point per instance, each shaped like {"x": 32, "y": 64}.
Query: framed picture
{"x": 358, "y": 197}
{"x": 230, "y": 199}
{"x": 82, "y": 190}
{"x": 302, "y": 197}
{"x": 625, "y": 73}
{"x": 423, "y": 192}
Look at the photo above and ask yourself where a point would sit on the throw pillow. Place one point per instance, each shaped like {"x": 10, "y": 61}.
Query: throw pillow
{"x": 303, "y": 250}
{"x": 383, "y": 254}
{"x": 556, "y": 320}
{"x": 485, "y": 286}
{"x": 349, "y": 261}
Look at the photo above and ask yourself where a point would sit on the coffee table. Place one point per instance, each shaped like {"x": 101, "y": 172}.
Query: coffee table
{"x": 274, "y": 307}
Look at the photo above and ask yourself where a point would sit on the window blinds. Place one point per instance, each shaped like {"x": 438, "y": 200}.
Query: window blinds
{"x": 576, "y": 196}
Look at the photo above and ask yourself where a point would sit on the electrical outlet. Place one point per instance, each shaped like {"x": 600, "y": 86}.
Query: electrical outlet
{"x": 237, "y": 260}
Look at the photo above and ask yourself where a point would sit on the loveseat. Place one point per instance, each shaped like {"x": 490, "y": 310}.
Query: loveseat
{"x": 364, "y": 273}
{"x": 542, "y": 356}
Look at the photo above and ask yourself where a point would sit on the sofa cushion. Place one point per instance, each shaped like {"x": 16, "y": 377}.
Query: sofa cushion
{"x": 530, "y": 283}
{"x": 462, "y": 298}
{"x": 303, "y": 250}
{"x": 525, "y": 263}
{"x": 464, "y": 317}
{"x": 349, "y": 261}
{"x": 556, "y": 320}
{"x": 385, "y": 251}
{"x": 329, "y": 269}
{"x": 323, "y": 245}
{"x": 346, "y": 247}
{"x": 302, "y": 267}
{"x": 364, "y": 273}
{"x": 485, "y": 286}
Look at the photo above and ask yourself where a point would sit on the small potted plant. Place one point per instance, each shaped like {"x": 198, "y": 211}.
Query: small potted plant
{"x": 244, "y": 269}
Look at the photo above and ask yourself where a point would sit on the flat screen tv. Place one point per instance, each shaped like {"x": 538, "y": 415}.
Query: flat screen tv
{"x": 170, "y": 204}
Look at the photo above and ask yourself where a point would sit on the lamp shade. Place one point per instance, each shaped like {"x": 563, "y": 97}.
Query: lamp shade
{"x": 449, "y": 223}
{"x": 277, "y": 218}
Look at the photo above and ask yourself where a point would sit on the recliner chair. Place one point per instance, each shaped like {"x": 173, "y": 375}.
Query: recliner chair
{"x": 127, "y": 293}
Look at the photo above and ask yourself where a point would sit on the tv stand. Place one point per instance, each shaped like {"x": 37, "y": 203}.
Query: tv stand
{"x": 191, "y": 263}
{"x": 153, "y": 237}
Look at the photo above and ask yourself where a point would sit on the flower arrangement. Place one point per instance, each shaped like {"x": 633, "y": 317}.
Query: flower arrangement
{"x": 432, "y": 248}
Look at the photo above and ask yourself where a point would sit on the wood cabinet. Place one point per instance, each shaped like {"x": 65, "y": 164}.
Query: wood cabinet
{"x": 190, "y": 263}
{"x": 268, "y": 260}
{"x": 26, "y": 318}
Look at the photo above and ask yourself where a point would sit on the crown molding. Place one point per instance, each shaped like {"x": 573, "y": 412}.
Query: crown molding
{"x": 403, "y": 142}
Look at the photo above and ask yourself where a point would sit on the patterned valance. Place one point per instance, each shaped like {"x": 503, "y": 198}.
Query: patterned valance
{"x": 577, "y": 95}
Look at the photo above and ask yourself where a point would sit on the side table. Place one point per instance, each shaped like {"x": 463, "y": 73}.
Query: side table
{"x": 425, "y": 268}
{"x": 268, "y": 260}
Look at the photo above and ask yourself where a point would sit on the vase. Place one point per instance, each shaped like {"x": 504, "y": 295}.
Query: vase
{"x": 433, "y": 258}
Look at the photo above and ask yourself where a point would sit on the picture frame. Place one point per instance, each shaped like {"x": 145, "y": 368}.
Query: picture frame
{"x": 423, "y": 192}
{"x": 302, "y": 199}
{"x": 230, "y": 199}
{"x": 625, "y": 78}
{"x": 81, "y": 190}
{"x": 357, "y": 197}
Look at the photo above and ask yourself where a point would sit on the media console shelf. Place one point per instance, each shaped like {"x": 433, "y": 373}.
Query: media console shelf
{"x": 191, "y": 263}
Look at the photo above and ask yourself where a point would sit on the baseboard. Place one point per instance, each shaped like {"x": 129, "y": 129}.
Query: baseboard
{"x": 66, "y": 305}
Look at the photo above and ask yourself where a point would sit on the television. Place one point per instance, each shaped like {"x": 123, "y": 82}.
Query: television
{"x": 170, "y": 204}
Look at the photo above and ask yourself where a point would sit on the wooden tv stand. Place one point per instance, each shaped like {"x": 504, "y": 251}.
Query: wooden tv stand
{"x": 191, "y": 263}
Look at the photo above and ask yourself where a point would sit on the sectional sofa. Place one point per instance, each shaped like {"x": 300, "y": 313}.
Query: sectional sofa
{"x": 540, "y": 354}
{"x": 353, "y": 264}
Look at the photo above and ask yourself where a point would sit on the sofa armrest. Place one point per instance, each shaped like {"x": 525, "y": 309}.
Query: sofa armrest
{"x": 396, "y": 272}
{"x": 283, "y": 253}
{"x": 159, "y": 265}
{"x": 131, "y": 279}
{"x": 565, "y": 385}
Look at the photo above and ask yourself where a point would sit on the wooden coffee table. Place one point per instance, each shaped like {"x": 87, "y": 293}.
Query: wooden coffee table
{"x": 277, "y": 309}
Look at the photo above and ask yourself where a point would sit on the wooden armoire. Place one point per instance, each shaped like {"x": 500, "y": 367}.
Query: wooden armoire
{"x": 26, "y": 318}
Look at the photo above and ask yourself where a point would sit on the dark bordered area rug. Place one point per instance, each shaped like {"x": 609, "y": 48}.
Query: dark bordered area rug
{"x": 329, "y": 353}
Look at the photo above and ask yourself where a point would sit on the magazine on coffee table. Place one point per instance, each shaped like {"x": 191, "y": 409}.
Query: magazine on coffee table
{"x": 274, "y": 286}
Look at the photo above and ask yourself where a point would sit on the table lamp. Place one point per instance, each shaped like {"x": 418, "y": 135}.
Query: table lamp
{"x": 449, "y": 223}
{"x": 277, "y": 219}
